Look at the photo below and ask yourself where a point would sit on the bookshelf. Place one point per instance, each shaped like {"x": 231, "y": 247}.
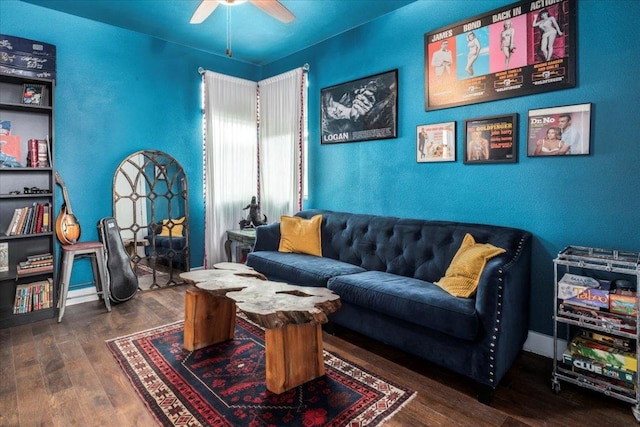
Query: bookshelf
{"x": 26, "y": 185}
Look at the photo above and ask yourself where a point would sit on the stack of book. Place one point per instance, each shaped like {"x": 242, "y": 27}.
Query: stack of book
{"x": 33, "y": 296}
{"x": 33, "y": 219}
{"x": 38, "y": 156}
{"x": 35, "y": 264}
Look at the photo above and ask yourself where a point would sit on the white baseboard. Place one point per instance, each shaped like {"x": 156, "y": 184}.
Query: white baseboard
{"x": 543, "y": 345}
{"x": 79, "y": 296}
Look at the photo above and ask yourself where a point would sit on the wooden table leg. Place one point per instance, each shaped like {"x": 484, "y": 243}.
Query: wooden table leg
{"x": 293, "y": 356}
{"x": 208, "y": 319}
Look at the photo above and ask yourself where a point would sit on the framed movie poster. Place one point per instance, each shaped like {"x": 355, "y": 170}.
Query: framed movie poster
{"x": 559, "y": 131}
{"x": 520, "y": 49}
{"x": 32, "y": 94}
{"x": 360, "y": 110}
{"x": 491, "y": 139}
{"x": 436, "y": 143}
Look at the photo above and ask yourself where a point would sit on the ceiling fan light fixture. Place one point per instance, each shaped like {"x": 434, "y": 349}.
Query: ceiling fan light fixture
{"x": 231, "y": 2}
{"x": 272, "y": 8}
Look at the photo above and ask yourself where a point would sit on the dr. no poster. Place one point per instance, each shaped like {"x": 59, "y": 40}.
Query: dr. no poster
{"x": 520, "y": 49}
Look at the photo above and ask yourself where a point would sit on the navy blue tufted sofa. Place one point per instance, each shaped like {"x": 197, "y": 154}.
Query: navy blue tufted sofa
{"x": 383, "y": 268}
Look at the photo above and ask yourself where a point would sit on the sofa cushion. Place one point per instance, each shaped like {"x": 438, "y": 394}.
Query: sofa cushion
{"x": 461, "y": 278}
{"x": 299, "y": 269}
{"x": 409, "y": 299}
{"x": 176, "y": 243}
{"x": 172, "y": 227}
{"x": 299, "y": 235}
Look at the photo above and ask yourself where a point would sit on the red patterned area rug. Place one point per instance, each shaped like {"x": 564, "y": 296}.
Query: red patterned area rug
{"x": 144, "y": 270}
{"x": 223, "y": 384}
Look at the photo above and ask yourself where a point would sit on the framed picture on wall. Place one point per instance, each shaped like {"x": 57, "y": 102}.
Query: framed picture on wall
{"x": 559, "y": 131}
{"x": 491, "y": 139}
{"x": 523, "y": 48}
{"x": 360, "y": 110}
{"x": 436, "y": 142}
{"x": 33, "y": 94}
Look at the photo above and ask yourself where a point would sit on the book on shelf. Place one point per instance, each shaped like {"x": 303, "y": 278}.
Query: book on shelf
{"x": 23, "y": 220}
{"x": 32, "y": 156}
{"x": 26, "y": 229}
{"x": 34, "y": 219}
{"x": 43, "y": 153}
{"x": 38, "y": 227}
{"x": 4, "y": 256}
{"x": 33, "y": 264}
{"x": 33, "y": 296}
{"x": 46, "y": 218}
{"x": 12, "y": 223}
{"x": 23, "y": 271}
{"x": 38, "y": 156}
{"x": 38, "y": 257}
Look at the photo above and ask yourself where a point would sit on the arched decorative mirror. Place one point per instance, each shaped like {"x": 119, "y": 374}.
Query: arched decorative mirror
{"x": 151, "y": 206}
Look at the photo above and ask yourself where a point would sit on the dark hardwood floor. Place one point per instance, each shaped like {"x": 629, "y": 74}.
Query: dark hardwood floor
{"x": 63, "y": 375}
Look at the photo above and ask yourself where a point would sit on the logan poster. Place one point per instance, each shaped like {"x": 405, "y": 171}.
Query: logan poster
{"x": 360, "y": 110}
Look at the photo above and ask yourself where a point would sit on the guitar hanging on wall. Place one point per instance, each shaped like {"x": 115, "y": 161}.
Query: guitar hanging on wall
{"x": 67, "y": 225}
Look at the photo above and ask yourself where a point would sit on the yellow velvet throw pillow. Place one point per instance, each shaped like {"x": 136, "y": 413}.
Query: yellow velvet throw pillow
{"x": 462, "y": 276}
{"x": 301, "y": 236}
{"x": 176, "y": 229}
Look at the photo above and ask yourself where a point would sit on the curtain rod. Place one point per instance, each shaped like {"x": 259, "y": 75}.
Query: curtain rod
{"x": 305, "y": 67}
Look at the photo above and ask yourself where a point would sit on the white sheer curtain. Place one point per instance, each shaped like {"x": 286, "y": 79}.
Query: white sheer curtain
{"x": 230, "y": 157}
{"x": 282, "y": 102}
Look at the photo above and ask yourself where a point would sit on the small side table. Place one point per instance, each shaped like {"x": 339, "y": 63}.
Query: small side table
{"x": 244, "y": 238}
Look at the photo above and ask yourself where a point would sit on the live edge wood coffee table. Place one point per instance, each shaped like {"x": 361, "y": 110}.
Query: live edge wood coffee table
{"x": 291, "y": 316}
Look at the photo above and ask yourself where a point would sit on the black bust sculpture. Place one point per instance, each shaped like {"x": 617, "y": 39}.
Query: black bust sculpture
{"x": 253, "y": 219}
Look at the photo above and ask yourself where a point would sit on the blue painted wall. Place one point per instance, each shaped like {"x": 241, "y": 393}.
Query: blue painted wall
{"x": 584, "y": 200}
{"x": 120, "y": 92}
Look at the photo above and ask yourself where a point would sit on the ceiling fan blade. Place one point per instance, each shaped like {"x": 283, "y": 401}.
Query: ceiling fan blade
{"x": 203, "y": 11}
{"x": 275, "y": 9}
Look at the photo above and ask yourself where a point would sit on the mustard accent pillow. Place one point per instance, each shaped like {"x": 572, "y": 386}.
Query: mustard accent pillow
{"x": 462, "y": 276}
{"x": 176, "y": 229}
{"x": 301, "y": 236}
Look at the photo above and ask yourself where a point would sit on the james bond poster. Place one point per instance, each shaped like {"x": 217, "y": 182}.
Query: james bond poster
{"x": 361, "y": 110}
{"x": 491, "y": 139}
{"x": 520, "y": 49}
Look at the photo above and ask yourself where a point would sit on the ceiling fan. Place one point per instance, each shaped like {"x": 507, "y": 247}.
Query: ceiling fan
{"x": 271, "y": 7}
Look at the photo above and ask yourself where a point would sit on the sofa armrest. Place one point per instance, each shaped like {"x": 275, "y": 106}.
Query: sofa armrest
{"x": 267, "y": 237}
{"x": 502, "y": 304}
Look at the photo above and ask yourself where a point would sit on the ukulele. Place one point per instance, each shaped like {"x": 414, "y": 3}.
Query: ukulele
{"x": 67, "y": 225}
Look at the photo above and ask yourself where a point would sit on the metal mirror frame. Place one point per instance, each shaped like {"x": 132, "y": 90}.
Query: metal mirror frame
{"x": 156, "y": 187}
